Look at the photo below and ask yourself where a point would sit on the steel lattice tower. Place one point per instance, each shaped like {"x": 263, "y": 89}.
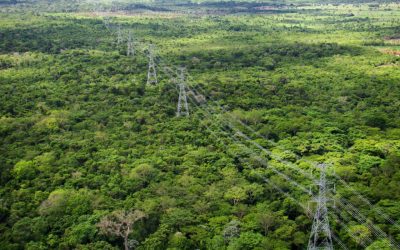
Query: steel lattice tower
{"x": 321, "y": 237}
{"x": 107, "y": 22}
{"x": 130, "y": 49}
{"x": 182, "y": 100}
{"x": 119, "y": 35}
{"x": 151, "y": 73}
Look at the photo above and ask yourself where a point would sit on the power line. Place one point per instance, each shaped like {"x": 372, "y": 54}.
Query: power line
{"x": 377, "y": 231}
{"x": 380, "y": 213}
{"x": 155, "y": 76}
{"x": 377, "y": 234}
{"x": 340, "y": 243}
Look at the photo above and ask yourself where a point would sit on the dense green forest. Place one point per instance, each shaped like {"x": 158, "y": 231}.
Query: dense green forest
{"x": 92, "y": 157}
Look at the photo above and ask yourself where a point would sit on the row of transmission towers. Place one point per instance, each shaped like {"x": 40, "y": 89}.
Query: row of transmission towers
{"x": 321, "y": 235}
{"x": 152, "y": 80}
{"x": 131, "y": 44}
{"x": 130, "y": 51}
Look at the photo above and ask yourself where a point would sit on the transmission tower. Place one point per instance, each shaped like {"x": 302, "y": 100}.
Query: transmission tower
{"x": 119, "y": 35}
{"x": 321, "y": 237}
{"x": 182, "y": 101}
{"x": 106, "y": 21}
{"x": 130, "y": 49}
{"x": 151, "y": 73}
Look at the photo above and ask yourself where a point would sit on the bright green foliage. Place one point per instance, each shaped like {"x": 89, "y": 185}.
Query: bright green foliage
{"x": 361, "y": 233}
{"x": 247, "y": 241}
{"x": 24, "y": 170}
{"x": 83, "y": 139}
{"x": 380, "y": 245}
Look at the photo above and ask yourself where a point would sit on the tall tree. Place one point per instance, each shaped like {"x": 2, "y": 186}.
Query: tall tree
{"x": 120, "y": 223}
